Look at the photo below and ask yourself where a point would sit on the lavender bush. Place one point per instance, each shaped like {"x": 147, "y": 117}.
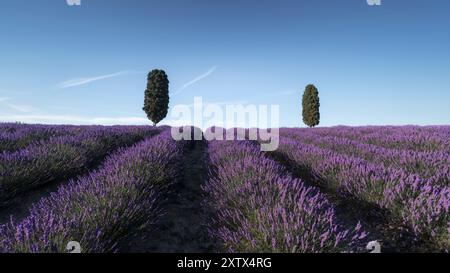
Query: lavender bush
{"x": 61, "y": 157}
{"x": 100, "y": 209}
{"x": 17, "y": 136}
{"x": 260, "y": 208}
{"x": 433, "y": 165}
{"x": 416, "y": 138}
{"x": 420, "y": 204}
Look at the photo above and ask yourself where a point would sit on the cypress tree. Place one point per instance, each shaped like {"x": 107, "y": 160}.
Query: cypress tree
{"x": 311, "y": 105}
{"x": 156, "y": 102}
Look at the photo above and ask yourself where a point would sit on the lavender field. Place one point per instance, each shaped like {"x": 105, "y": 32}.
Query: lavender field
{"x": 135, "y": 189}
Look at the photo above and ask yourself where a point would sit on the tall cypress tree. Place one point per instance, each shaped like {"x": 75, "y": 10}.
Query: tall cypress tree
{"x": 311, "y": 105}
{"x": 156, "y": 102}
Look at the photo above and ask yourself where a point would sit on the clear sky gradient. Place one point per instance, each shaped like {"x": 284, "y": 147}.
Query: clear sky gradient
{"x": 373, "y": 65}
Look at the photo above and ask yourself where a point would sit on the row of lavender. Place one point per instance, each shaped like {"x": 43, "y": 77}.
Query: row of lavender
{"x": 15, "y": 136}
{"x": 100, "y": 209}
{"x": 61, "y": 157}
{"x": 259, "y": 207}
{"x": 412, "y": 186}
{"x": 416, "y": 138}
{"x": 432, "y": 165}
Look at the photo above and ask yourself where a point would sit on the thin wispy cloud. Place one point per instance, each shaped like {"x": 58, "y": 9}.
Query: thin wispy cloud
{"x": 22, "y": 108}
{"x": 197, "y": 79}
{"x": 5, "y": 103}
{"x": 87, "y": 80}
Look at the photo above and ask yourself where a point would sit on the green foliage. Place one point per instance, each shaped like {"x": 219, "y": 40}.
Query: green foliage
{"x": 311, "y": 105}
{"x": 156, "y": 102}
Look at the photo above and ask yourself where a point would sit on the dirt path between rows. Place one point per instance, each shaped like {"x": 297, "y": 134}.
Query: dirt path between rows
{"x": 20, "y": 206}
{"x": 182, "y": 228}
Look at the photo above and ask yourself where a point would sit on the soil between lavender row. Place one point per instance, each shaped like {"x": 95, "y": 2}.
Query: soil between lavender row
{"x": 183, "y": 226}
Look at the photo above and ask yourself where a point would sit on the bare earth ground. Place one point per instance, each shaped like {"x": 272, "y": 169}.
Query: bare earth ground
{"x": 20, "y": 205}
{"x": 182, "y": 228}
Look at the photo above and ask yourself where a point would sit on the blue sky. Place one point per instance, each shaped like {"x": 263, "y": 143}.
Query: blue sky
{"x": 388, "y": 64}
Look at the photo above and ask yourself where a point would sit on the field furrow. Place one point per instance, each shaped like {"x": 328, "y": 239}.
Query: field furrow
{"x": 183, "y": 226}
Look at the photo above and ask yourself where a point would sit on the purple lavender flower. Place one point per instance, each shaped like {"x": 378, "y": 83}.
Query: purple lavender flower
{"x": 260, "y": 208}
{"x": 98, "y": 210}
